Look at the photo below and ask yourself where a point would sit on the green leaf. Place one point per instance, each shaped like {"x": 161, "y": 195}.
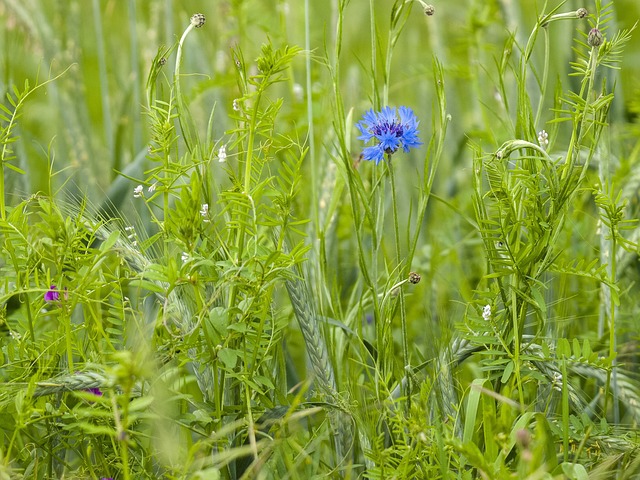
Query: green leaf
{"x": 508, "y": 370}
{"x": 586, "y": 349}
{"x": 110, "y": 241}
{"x": 472, "y": 409}
{"x": 563, "y": 350}
{"x": 574, "y": 471}
{"x": 141, "y": 403}
{"x": 229, "y": 357}
{"x": 576, "y": 348}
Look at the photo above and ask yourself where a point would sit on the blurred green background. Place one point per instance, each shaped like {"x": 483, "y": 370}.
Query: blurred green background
{"x": 92, "y": 118}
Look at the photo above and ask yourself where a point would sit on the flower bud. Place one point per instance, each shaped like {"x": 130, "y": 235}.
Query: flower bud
{"x": 523, "y": 437}
{"x": 414, "y": 278}
{"x": 429, "y": 10}
{"x": 595, "y": 38}
{"x": 581, "y": 13}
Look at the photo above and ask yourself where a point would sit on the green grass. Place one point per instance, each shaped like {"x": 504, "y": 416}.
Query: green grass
{"x": 201, "y": 278}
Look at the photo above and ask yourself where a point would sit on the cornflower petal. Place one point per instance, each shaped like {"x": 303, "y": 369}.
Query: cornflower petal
{"x": 373, "y": 153}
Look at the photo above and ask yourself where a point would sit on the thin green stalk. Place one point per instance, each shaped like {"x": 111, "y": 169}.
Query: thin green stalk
{"x": 612, "y": 340}
{"x": 68, "y": 340}
{"x": 400, "y": 268}
{"x": 135, "y": 81}
{"x": 374, "y": 55}
{"x": 516, "y": 340}
{"x": 565, "y": 410}
{"x": 310, "y": 122}
{"x": 545, "y": 79}
{"x": 121, "y": 428}
{"x": 104, "y": 82}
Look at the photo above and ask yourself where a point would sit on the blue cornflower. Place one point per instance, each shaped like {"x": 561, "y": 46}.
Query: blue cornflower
{"x": 391, "y": 128}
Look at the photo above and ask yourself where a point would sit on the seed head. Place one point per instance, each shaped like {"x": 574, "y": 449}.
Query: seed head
{"x": 414, "y": 277}
{"x": 429, "y": 10}
{"x": 198, "y": 20}
{"x": 581, "y": 13}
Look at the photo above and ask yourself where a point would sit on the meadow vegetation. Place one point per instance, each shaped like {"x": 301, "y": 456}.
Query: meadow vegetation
{"x": 341, "y": 239}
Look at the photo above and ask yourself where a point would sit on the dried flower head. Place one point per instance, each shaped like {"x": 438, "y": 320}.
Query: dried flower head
{"x": 198, "y": 20}
{"x": 414, "y": 277}
{"x": 391, "y": 129}
{"x": 429, "y": 10}
{"x": 581, "y": 13}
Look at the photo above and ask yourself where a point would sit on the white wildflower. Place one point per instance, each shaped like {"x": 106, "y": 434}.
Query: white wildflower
{"x": 486, "y": 313}
{"x": 222, "y": 154}
{"x": 236, "y": 105}
{"x": 185, "y": 257}
{"x": 152, "y": 188}
{"x": 138, "y": 191}
{"x": 131, "y": 232}
{"x": 543, "y": 138}
{"x": 204, "y": 211}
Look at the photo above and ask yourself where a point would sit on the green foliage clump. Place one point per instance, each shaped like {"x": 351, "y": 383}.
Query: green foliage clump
{"x": 243, "y": 295}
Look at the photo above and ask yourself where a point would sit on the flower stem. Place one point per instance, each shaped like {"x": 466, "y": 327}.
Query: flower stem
{"x": 67, "y": 335}
{"x": 400, "y": 268}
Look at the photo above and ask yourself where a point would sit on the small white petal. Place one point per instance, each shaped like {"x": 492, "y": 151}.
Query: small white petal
{"x": 222, "y": 154}
{"x": 138, "y": 191}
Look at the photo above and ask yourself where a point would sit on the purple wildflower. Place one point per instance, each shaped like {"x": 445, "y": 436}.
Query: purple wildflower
{"x": 52, "y": 294}
{"x": 96, "y": 391}
{"x": 391, "y": 129}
